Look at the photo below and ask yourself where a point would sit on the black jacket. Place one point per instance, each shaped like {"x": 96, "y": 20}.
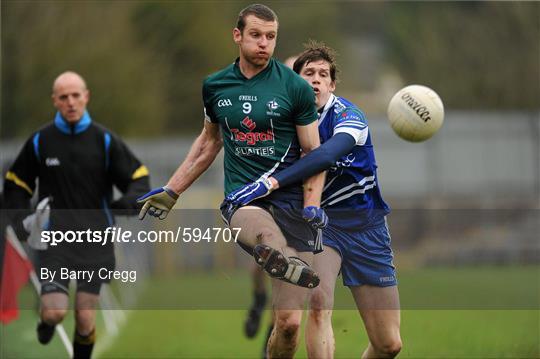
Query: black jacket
{"x": 77, "y": 165}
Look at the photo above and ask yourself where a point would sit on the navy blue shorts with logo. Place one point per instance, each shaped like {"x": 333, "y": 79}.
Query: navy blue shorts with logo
{"x": 366, "y": 255}
{"x": 287, "y": 215}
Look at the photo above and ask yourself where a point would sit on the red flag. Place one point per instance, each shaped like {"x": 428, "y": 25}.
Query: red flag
{"x": 15, "y": 274}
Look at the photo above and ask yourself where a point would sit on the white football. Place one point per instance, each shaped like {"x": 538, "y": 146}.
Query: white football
{"x": 415, "y": 113}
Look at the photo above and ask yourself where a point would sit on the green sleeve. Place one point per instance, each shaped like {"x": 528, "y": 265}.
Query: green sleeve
{"x": 305, "y": 109}
{"x": 207, "y": 95}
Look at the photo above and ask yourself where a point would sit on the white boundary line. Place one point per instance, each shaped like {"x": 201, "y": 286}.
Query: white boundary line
{"x": 12, "y": 238}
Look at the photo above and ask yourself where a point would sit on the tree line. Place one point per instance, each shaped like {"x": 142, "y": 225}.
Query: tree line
{"x": 145, "y": 61}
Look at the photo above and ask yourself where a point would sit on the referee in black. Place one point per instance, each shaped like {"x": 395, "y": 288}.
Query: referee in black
{"x": 77, "y": 162}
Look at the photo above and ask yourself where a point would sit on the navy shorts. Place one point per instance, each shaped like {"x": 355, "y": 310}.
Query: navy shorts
{"x": 63, "y": 265}
{"x": 366, "y": 255}
{"x": 299, "y": 234}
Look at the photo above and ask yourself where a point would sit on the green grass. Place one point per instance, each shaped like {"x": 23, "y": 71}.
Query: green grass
{"x": 433, "y": 288}
{"x": 426, "y": 334}
{"x": 448, "y": 313}
{"x": 18, "y": 338}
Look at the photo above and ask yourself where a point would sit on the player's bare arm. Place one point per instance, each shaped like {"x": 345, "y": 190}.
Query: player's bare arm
{"x": 203, "y": 152}
{"x": 308, "y": 136}
{"x": 201, "y": 155}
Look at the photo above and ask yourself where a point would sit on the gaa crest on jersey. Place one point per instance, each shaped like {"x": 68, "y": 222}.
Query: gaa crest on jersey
{"x": 52, "y": 162}
{"x": 224, "y": 103}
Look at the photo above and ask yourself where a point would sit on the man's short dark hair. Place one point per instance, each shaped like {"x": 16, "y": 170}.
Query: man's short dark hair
{"x": 317, "y": 51}
{"x": 260, "y": 11}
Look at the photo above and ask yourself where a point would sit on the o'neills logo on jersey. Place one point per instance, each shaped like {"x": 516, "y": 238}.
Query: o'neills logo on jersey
{"x": 247, "y": 98}
{"x": 251, "y": 137}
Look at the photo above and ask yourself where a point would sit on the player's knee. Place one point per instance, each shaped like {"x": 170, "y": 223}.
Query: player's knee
{"x": 85, "y": 321}
{"x": 265, "y": 235}
{"x": 389, "y": 348}
{"x": 288, "y": 324}
{"x": 320, "y": 317}
{"x": 320, "y": 300}
{"x": 53, "y": 316}
{"x": 320, "y": 308}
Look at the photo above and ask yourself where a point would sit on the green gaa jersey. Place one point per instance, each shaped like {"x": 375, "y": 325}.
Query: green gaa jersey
{"x": 258, "y": 119}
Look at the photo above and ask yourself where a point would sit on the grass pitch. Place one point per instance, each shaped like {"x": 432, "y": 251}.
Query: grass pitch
{"x": 443, "y": 317}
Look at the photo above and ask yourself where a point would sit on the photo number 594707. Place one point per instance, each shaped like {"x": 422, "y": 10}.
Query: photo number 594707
{"x": 209, "y": 235}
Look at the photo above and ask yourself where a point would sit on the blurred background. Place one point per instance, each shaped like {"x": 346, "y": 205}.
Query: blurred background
{"x": 466, "y": 202}
{"x": 145, "y": 61}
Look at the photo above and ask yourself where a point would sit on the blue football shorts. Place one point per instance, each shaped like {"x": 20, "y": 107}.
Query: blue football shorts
{"x": 366, "y": 255}
{"x": 288, "y": 217}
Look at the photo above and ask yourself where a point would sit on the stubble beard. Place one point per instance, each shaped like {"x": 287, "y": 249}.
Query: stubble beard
{"x": 258, "y": 62}
{"x": 255, "y": 61}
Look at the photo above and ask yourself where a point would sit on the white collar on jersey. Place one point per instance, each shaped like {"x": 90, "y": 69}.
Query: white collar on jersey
{"x": 329, "y": 104}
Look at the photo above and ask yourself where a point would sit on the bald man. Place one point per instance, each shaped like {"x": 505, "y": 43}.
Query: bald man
{"x": 70, "y": 96}
{"x": 77, "y": 162}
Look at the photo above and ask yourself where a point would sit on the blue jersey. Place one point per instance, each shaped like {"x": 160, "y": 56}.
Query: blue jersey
{"x": 351, "y": 196}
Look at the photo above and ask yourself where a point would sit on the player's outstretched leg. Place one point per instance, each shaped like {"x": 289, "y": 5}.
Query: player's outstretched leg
{"x": 379, "y": 308}
{"x": 319, "y": 335}
{"x": 260, "y": 236}
{"x": 290, "y": 269}
{"x": 288, "y": 303}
